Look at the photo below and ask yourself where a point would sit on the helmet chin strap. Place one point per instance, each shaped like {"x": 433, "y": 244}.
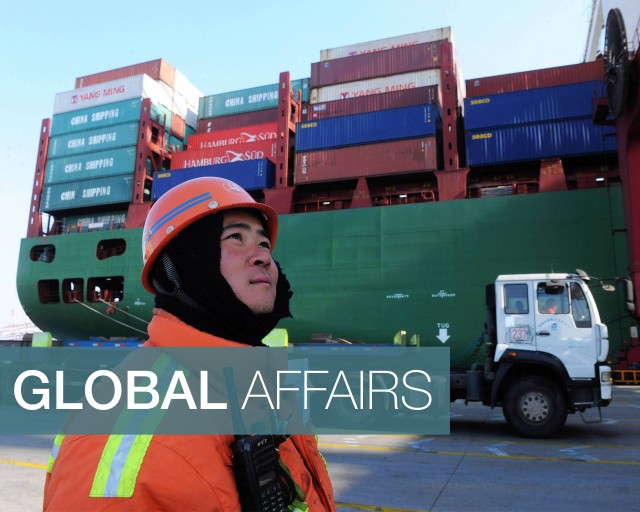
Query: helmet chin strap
{"x": 172, "y": 274}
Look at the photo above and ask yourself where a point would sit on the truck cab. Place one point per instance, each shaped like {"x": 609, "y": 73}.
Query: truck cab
{"x": 548, "y": 350}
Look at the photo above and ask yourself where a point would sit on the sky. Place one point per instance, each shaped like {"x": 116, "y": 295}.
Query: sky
{"x": 227, "y": 46}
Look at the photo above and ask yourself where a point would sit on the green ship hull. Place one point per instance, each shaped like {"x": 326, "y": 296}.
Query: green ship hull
{"x": 366, "y": 274}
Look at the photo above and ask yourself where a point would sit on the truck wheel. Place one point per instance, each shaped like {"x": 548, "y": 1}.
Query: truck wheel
{"x": 535, "y": 407}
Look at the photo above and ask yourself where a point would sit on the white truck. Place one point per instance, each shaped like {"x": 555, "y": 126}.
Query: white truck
{"x": 546, "y": 353}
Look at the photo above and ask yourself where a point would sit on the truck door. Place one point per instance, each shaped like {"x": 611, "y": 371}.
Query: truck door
{"x": 563, "y": 326}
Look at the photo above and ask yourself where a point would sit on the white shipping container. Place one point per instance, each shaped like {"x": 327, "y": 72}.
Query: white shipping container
{"x": 178, "y": 104}
{"x": 183, "y": 86}
{"x": 376, "y": 86}
{"x": 138, "y": 86}
{"x": 389, "y": 43}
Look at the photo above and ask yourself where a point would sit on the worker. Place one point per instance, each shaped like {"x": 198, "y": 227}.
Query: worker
{"x": 207, "y": 258}
{"x": 550, "y": 307}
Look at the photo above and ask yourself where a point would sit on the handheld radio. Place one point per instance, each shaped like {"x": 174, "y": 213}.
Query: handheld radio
{"x": 256, "y": 467}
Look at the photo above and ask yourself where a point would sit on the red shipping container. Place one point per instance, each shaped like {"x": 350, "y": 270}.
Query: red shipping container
{"x": 428, "y": 95}
{"x": 178, "y": 126}
{"x": 369, "y": 65}
{"x": 549, "y": 77}
{"x": 388, "y": 158}
{"x": 237, "y": 120}
{"x": 225, "y": 154}
{"x": 157, "y": 69}
{"x": 233, "y": 136}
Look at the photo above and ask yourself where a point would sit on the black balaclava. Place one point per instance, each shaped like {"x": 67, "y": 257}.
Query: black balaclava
{"x": 190, "y": 286}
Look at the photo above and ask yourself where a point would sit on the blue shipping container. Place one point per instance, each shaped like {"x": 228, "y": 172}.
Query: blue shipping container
{"x": 365, "y": 128}
{"x": 531, "y": 106}
{"x": 571, "y": 137}
{"x": 249, "y": 174}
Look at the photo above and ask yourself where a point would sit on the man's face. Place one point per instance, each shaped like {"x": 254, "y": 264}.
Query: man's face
{"x": 245, "y": 261}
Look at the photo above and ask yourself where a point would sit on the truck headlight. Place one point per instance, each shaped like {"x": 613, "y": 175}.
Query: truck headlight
{"x": 605, "y": 376}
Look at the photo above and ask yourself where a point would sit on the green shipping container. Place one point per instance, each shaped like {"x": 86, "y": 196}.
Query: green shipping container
{"x": 81, "y": 194}
{"x": 88, "y": 141}
{"x": 247, "y": 100}
{"x": 90, "y": 165}
{"x": 96, "y": 117}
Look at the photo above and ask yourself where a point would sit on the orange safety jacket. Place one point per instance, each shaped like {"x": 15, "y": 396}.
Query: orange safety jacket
{"x": 170, "y": 472}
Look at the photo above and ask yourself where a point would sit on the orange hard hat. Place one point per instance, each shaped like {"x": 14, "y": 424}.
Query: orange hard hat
{"x": 185, "y": 204}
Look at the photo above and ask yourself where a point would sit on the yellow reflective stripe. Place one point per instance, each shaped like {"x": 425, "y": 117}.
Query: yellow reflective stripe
{"x": 102, "y": 473}
{"x": 123, "y": 454}
{"x": 119, "y": 466}
{"x": 127, "y": 483}
{"x": 142, "y": 420}
{"x": 55, "y": 449}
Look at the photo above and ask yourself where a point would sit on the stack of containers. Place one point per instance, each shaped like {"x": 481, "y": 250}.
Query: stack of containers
{"x": 185, "y": 97}
{"x": 94, "y": 139}
{"x": 374, "y": 110}
{"x": 245, "y": 155}
{"x": 246, "y": 107}
{"x": 534, "y": 115}
{"x": 236, "y": 139}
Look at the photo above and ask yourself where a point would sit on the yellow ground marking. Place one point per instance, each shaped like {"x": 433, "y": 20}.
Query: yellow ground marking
{"x": 23, "y": 463}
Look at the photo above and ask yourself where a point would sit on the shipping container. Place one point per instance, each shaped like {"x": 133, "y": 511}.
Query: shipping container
{"x": 176, "y": 144}
{"x": 232, "y": 136}
{"x": 109, "y": 137}
{"x": 223, "y": 155}
{"x": 94, "y": 221}
{"x": 133, "y": 87}
{"x": 250, "y": 175}
{"x": 553, "y": 139}
{"x": 397, "y": 157}
{"x": 376, "y": 86}
{"x": 530, "y": 106}
{"x": 389, "y": 43}
{"x": 178, "y": 103}
{"x": 548, "y": 77}
{"x": 96, "y": 117}
{"x": 178, "y": 127}
{"x": 237, "y": 120}
{"x": 157, "y": 69}
{"x": 161, "y": 115}
{"x": 247, "y": 100}
{"x": 85, "y": 193}
{"x": 420, "y": 96}
{"x": 371, "y": 65}
{"x": 366, "y": 128}
{"x": 90, "y": 165}
{"x": 188, "y": 90}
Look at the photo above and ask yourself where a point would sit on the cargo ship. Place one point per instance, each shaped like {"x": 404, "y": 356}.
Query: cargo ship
{"x": 402, "y": 190}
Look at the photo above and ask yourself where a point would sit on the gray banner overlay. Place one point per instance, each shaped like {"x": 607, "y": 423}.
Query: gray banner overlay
{"x": 303, "y": 389}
